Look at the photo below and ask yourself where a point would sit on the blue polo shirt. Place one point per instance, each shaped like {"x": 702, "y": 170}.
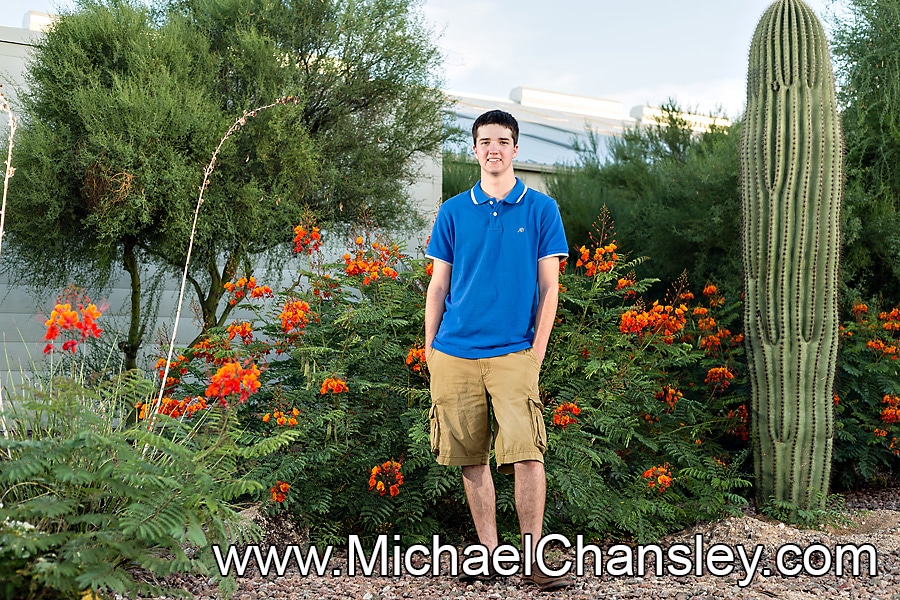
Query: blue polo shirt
{"x": 494, "y": 247}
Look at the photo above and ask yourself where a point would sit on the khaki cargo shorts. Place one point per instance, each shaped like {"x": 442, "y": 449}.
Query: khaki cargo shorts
{"x": 462, "y": 392}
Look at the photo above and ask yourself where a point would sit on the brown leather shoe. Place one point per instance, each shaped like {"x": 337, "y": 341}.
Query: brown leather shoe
{"x": 546, "y": 583}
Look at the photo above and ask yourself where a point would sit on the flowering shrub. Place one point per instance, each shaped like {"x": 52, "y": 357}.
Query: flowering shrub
{"x": 73, "y": 459}
{"x": 867, "y": 403}
{"x": 641, "y": 394}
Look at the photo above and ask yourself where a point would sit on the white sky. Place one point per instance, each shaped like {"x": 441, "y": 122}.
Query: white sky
{"x": 633, "y": 51}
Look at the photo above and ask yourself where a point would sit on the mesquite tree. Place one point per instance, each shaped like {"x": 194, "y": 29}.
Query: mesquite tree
{"x": 127, "y": 100}
{"x": 791, "y": 178}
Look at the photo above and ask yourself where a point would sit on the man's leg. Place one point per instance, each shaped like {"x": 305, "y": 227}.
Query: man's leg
{"x": 531, "y": 494}
{"x": 479, "y": 486}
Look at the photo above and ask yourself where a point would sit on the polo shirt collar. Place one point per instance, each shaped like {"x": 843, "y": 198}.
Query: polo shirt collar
{"x": 514, "y": 196}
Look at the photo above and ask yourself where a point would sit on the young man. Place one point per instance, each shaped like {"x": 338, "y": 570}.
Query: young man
{"x": 489, "y": 310}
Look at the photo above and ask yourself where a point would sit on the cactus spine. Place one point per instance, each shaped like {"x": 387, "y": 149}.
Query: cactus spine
{"x": 791, "y": 180}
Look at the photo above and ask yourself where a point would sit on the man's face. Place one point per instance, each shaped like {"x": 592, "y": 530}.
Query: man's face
{"x": 494, "y": 149}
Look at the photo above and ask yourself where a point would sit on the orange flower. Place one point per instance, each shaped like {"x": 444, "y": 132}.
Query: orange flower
{"x": 231, "y": 379}
{"x": 243, "y": 329}
{"x": 372, "y": 261}
{"x": 669, "y": 395}
{"x": 64, "y": 318}
{"x": 246, "y": 287}
{"x": 891, "y": 320}
{"x": 719, "y": 377}
{"x": 186, "y": 407}
{"x": 658, "y": 477}
{"x": 416, "y": 359}
{"x": 891, "y": 414}
{"x": 386, "y": 478}
{"x": 294, "y": 316}
{"x": 601, "y": 260}
{"x": 306, "y": 238}
{"x": 741, "y": 430}
{"x": 565, "y": 414}
{"x": 710, "y": 290}
{"x": 334, "y": 385}
{"x": 279, "y": 491}
{"x": 662, "y": 319}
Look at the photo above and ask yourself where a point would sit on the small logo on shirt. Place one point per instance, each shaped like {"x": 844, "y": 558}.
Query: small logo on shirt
{"x": 521, "y": 230}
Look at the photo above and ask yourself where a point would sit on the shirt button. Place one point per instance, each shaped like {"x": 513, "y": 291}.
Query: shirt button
{"x": 491, "y": 202}
{"x": 495, "y": 214}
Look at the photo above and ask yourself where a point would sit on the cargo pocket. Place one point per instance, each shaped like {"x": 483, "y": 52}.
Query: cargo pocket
{"x": 538, "y": 428}
{"x": 435, "y": 430}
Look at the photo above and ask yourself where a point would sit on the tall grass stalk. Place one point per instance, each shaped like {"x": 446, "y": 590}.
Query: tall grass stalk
{"x": 8, "y": 172}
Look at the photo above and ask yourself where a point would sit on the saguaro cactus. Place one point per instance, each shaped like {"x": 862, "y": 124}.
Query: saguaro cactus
{"x": 791, "y": 180}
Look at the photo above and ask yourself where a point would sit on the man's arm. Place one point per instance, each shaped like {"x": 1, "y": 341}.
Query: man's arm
{"x": 548, "y": 298}
{"x": 434, "y": 300}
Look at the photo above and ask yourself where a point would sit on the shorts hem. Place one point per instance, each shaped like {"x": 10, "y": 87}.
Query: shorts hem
{"x": 506, "y": 465}
{"x": 462, "y": 461}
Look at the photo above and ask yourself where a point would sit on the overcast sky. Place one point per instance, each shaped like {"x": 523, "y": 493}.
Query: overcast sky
{"x": 633, "y": 51}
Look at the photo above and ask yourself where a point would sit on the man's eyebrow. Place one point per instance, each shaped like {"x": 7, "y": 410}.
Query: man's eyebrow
{"x": 488, "y": 138}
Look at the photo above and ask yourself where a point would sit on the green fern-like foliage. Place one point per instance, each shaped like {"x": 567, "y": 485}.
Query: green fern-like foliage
{"x": 88, "y": 498}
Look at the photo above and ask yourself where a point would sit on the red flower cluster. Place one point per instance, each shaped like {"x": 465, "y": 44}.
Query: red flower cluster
{"x": 719, "y": 377}
{"x": 884, "y": 349}
{"x": 282, "y": 419}
{"x": 325, "y": 287}
{"x": 416, "y": 359}
{"x": 177, "y": 368}
{"x": 712, "y": 343}
{"x": 208, "y": 350}
{"x": 664, "y": 319}
{"x": 231, "y": 379}
{"x": 669, "y": 395}
{"x": 741, "y": 430}
{"x": 243, "y": 329}
{"x": 172, "y": 407}
{"x": 602, "y": 260}
{"x": 279, "y": 491}
{"x": 715, "y": 298}
{"x": 658, "y": 477}
{"x": 891, "y": 320}
{"x": 294, "y": 316}
{"x": 372, "y": 261}
{"x": 565, "y": 414}
{"x": 306, "y": 238}
{"x": 247, "y": 288}
{"x": 891, "y": 414}
{"x": 624, "y": 284}
{"x": 65, "y": 318}
{"x": 334, "y": 385}
{"x": 386, "y": 478}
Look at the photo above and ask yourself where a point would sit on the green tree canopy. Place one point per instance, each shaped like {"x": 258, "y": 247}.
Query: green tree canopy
{"x": 672, "y": 194}
{"x": 866, "y": 48}
{"x": 126, "y": 103}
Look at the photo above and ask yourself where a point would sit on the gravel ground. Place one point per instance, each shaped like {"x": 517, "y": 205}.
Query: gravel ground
{"x": 876, "y": 521}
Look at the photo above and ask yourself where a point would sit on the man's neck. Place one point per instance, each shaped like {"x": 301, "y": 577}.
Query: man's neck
{"x": 498, "y": 187}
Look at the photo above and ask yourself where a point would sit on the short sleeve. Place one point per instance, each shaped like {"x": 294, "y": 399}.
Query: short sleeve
{"x": 440, "y": 246}
{"x": 553, "y": 235}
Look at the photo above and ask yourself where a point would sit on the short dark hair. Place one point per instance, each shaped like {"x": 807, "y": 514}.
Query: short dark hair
{"x": 496, "y": 117}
